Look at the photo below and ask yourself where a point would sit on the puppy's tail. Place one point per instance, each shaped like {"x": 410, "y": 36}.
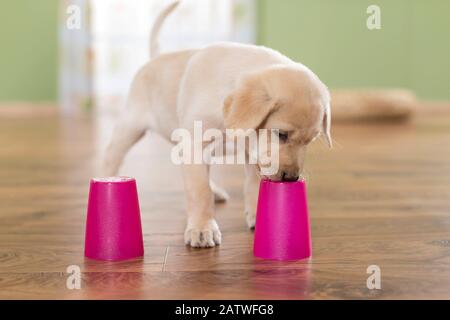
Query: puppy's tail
{"x": 154, "y": 35}
{"x": 372, "y": 105}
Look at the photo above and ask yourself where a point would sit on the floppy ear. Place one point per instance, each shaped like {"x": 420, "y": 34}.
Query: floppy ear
{"x": 248, "y": 107}
{"x": 326, "y": 125}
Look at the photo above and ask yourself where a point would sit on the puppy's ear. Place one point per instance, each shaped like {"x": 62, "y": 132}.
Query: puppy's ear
{"x": 326, "y": 125}
{"x": 248, "y": 107}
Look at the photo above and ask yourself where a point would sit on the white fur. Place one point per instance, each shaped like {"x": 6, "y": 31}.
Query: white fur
{"x": 172, "y": 91}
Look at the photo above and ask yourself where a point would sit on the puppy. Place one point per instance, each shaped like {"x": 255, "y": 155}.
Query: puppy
{"x": 224, "y": 85}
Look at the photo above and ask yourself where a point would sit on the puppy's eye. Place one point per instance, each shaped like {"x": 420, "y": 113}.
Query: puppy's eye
{"x": 283, "y": 136}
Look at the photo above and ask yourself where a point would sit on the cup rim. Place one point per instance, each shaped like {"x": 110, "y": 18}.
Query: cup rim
{"x": 114, "y": 179}
{"x": 300, "y": 181}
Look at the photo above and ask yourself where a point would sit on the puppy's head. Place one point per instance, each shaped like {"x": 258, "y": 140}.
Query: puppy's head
{"x": 289, "y": 99}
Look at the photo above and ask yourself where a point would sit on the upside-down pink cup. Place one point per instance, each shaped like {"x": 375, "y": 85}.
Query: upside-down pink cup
{"x": 113, "y": 227}
{"x": 282, "y": 230}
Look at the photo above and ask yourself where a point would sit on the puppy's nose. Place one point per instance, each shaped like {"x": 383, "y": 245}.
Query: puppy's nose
{"x": 289, "y": 177}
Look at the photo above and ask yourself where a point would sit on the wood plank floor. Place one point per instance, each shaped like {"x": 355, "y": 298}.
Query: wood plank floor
{"x": 380, "y": 197}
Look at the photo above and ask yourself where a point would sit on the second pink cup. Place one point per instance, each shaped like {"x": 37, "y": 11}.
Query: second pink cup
{"x": 282, "y": 230}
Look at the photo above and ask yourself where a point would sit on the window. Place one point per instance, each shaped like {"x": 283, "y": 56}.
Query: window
{"x": 114, "y": 42}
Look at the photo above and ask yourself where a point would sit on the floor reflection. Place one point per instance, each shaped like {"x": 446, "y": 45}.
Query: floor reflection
{"x": 113, "y": 280}
{"x": 283, "y": 280}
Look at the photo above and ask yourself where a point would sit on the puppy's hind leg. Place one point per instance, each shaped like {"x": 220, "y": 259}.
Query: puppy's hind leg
{"x": 220, "y": 194}
{"x": 126, "y": 133}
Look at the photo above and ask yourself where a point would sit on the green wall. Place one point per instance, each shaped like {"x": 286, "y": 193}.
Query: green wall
{"x": 28, "y": 52}
{"x": 411, "y": 50}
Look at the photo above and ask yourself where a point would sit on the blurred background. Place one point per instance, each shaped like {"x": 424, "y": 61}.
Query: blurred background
{"x": 42, "y": 62}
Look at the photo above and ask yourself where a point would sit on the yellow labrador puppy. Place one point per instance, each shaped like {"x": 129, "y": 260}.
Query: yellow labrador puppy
{"x": 225, "y": 85}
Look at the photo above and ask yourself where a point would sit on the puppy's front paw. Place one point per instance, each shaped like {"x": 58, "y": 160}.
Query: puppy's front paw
{"x": 250, "y": 218}
{"x": 203, "y": 235}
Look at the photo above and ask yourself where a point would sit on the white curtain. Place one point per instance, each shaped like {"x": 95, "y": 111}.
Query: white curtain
{"x": 118, "y": 33}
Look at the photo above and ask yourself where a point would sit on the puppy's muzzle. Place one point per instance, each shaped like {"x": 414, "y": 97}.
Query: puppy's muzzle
{"x": 286, "y": 175}
{"x": 289, "y": 176}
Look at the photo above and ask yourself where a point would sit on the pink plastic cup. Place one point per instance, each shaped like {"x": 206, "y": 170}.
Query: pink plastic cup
{"x": 113, "y": 227}
{"x": 282, "y": 230}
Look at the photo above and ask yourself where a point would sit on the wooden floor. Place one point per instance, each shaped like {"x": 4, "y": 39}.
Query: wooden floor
{"x": 381, "y": 197}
